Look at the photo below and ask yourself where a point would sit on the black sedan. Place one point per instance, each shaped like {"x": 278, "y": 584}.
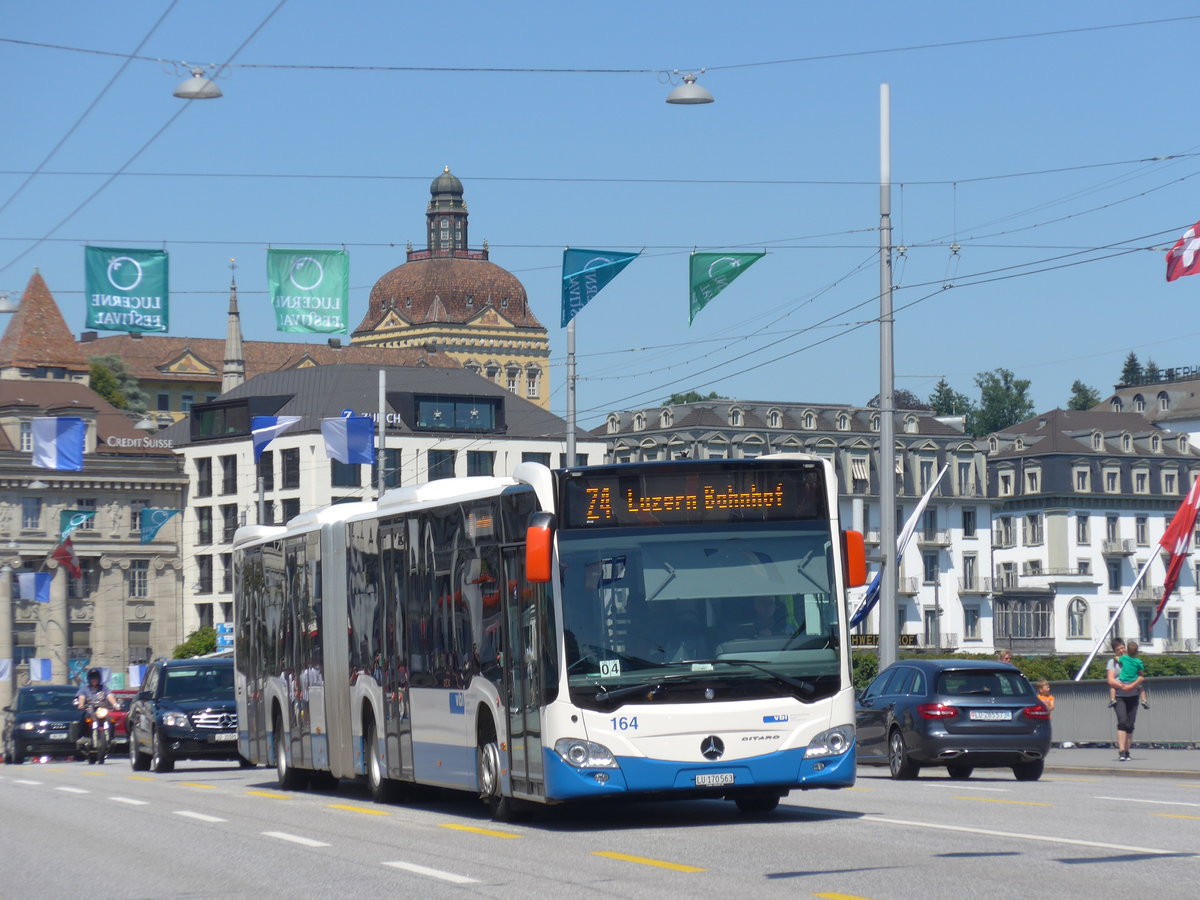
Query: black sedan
{"x": 185, "y": 710}
{"x": 958, "y": 713}
{"x": 42, "y": 721}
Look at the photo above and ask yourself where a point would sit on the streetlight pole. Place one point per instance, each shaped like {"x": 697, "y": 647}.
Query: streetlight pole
{"x": 571, "y": 394}
{"x": 887, "y": 439}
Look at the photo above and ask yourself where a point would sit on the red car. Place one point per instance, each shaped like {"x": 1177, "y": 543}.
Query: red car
{"x": 120, "y": 734}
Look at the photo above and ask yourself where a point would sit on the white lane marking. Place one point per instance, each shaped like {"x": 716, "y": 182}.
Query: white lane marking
{"x": 432, "y": 873}
{"x": 72, "y": 790}
{"x": 1049, "y": 839}
{"x": 199, "y": 817}
{"x": 1140, "y": 800}
{"x": 295, "y": 839}
{"x": 25, "y": 781}
{"x": 968, "y": 785}
{"x": 130, "y": 801}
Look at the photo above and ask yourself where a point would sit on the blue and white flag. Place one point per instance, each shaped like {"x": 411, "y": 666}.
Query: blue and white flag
{"x": 35, "y": 586}
{"x": 136, "y": 674}
{"x": 40, "y": 670}
{"x": 153, "y": 519}
{"x": 58, "y": 442}
{"x": 265, "y": 429}
{"x": 584, "y": 275}
{"x": 350, "y": 439}
{"x": 872, "y": 595}
{"x": 5, "y": 670}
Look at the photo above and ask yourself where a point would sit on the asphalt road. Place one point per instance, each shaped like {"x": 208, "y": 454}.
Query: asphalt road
{"x": 208, "y": 830}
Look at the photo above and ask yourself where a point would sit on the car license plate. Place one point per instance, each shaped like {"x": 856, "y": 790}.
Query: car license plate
{"x": 231, "y": 736}
{"x": 991, "y": 715}
{"x": 714, "y": 779}
{"x": 58, "y": 735}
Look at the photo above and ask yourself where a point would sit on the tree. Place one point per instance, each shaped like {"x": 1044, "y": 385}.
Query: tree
{"x": 1132, "y": 371}
{"x": 199, "y": 642}
{"x": 902, "y": 399}
{"x": 945, "y": 401}
{"x": 691, "y": 397}
{"x": 1152, "y": 372}
{"x": 1003, "y": 402}
{"x": 1083, "y": 396}
{"x": 124, "y": 383}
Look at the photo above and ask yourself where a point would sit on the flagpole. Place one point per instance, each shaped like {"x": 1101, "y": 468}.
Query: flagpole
{"x": 887, "y": 441}
{"x": 1115, "y": 617}
{"x": 571, "y": 393}
{"x": 379, "y": 454}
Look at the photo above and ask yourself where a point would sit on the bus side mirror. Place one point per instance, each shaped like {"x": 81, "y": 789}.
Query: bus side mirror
{"x": 539, "y": 548}
{"x": 854, "y": 558}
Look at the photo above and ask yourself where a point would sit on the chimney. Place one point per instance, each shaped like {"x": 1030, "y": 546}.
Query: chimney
{"x": 87, "y": 337}
{"x": 335, "y": 343}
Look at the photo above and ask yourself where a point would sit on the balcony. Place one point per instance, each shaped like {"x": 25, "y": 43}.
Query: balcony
{"x": 871, "y": 536}
{"x": 1147, "y": 592}
{"x": 944, "y": 641}
{"x": 1009, "y": 583}
{"x": 933, "y": 538}
{"x": 908, "y": 586}
{"x": 975, "y": 585}
{"x": 1119, "y": 547}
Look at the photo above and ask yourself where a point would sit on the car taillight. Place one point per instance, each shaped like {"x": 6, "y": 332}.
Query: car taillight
{"x": 937, "y": 711}
{"x": 1037, "y": 711}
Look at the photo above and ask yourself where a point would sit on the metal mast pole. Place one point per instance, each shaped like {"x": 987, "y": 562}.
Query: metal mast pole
{"x": 887, "y": 440}
{"x": 381, "y": 427}
{"x": 571, "y": 393}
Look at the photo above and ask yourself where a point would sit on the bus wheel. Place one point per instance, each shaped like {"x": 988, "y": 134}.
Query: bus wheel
{"x": 755, "y": 803}
{"x": 491, "y": 786}
{"x": 383, "y": 790}
{"x": 286, "y": 777}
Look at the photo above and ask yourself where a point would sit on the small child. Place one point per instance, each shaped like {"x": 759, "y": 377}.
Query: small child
{"x": 1131, "y": 668}
{"x": 1047, "y": 698}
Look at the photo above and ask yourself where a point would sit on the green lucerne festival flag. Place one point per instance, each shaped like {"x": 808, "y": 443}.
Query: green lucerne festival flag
{"x": 309, "y": 290}
{"x": 711, "y": 273}
{"x": 70, "y": 519}
{"x": 126, "y": 290}
{"x": 150, "y": 520}
{"x": 585, "y": 273}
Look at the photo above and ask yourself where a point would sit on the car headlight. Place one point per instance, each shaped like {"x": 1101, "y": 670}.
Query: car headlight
{"x": 28, "y": 726}
{"x": 176, "y": 720}
{"x": 833, "y": 742}
{"x": 584, "y": 754}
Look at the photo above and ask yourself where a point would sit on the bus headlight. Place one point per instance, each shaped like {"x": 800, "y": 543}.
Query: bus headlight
{"x": 833, "y": 742}
{"x": 584, "y": 754}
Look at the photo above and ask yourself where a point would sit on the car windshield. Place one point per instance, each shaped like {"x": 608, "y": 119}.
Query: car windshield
{"x": 751, "y": 606}
{"x": 983, "y": 683}
{"x": 49, "y": 701}
{"x": 199, "y": 683}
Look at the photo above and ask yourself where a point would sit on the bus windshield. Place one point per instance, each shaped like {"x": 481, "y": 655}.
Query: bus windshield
{"x": 700, "y": 612}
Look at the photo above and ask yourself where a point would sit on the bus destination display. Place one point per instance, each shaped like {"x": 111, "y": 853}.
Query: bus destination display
{"x": 700, "y": 497}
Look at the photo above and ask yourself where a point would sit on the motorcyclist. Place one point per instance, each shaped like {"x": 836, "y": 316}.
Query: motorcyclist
{"x": 94, "y": 692}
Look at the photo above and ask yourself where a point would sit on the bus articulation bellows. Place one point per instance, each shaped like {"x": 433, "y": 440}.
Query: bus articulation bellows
{"x": 670, "y": 629}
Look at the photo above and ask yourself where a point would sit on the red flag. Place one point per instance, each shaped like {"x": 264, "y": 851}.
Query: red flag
{"x": 1175, "y": 541}
{"x": 1184, "y": 258}
{"x": 65, "y": 554}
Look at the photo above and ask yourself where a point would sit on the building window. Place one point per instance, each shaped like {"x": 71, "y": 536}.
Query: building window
{"x": 344, "y": 475}
{"x": 79, "y": 640}
{"x": 1112, "y": 528}
{"x": 266, "y": 470}
{"x": 1032, "y": 481}
{"x": 1097, "y": 441}
{"x": 968, "y": 522}
{"x": 203, "y": 476}
{"x": 290, "y": 465}
{"x": 665, "y": 419}
{"x": 204, "y": 530}
{"x": 1004, "y": 532}
{"x": 543, "y": 458}
{"x": 228, "y": 474}
{"x": 1083, "y": 480}
{"x": 1006, "y": 484}
{"x": 775, "y": 419}
{"x": 860, "y": 479}
{"x": 511, "y": 379}
{"x": 481, "y": 462}
{"x": 1084, "y": 567}
{"x": 291, "y": 508}
{"x": 139, "y": 578}
{"x": 1082, "y": 529}
{"x": 1077, "y": 618}
{"x": 581, "y": 459}
{"x": 140, "y": 652}
{"x": 1112, "y": 483}
{"x": 1032, "y": 529}
{"x": 843, "y": 422}
{"x": 31, "y": 513}
{"x": 186, "y": 401}
{"x": 204, "y": 575}
{"x": 930, "y": 562}
{"x": 1155, "y": 444}
{"x": 875, "y": 422}
{"x": 925, "y": 469}
{"x": 1023, "y": 618}
{"x": 164, "y": 402}
{"x": 1170, "y": 485}
{"x": 1114, "y": 576}
{"x": 26, "y": 437}
{"x": 735, "y": 418}
{"x": 24, "y": 642}
{"x": 391, "y": 469}
{"x": 1144, "y": 612}
{"x": 204, "y": 614}
{"x": 229, "y": 521}
{"x": 1141, "y": 482}
{"x": 1142, "y": 530}
{"x": 441, "y": 464}
{"x": 971, "y": 623}
{"x": 1164, "y": 402}
{"x": 531, "y": 383}
{"x": 227, "y": 573}
{"x": 1126, "y": 443}
{"x": 1117, "y": 405}
{"x": 966, "y": 483}
{"x": 1139, "y": 403}
{"x": 810, "y": 421}
{"x": 1173, "y": 628}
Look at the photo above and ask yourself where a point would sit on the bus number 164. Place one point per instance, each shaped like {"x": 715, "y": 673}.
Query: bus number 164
{"x": 624, "y": 723}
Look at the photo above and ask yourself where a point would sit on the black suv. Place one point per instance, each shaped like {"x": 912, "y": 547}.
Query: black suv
{"x": 185, "y": 710}
{"x": 42, "y": 720}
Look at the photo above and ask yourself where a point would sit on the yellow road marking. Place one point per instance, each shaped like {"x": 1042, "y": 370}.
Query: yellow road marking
{"x": 1174, "y": 816}
{"x": 998, "y": 800}
{"x": 645, "y": 861}
{"x": 197, "y": 784}
{"x": 1185, "y": 784}
{"x": 834, "y": 896}
{"x": 139, "y": 777}
{"x": 54, "y": 769}
{"x": 487, "y": 831}
{"x": 270, "y": 795}
{"x": 366, "y": 811}
{"x": 99, "y": 774}
{"x": 856, "y": 788}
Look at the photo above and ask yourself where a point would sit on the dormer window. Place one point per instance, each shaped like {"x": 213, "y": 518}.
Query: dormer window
{"x": 1183, "y": 444}
{"x": 665, "y": 419}
{"x": 1164, "y": 402}
{"x": 774, "y": 419}
{"x": 993, "y": 445}
{"x": 470, "y": 300}
{"x": 1019, "y": 443}
{"x": 1126, "y": 443}
{"x": 1155, "y": 444}
{"x": 910, "y": 424}
{"x": 735, "y": 417}
{"x": 614, "y": 423}
{"x": 504, "y": 303}
{"x": 1139, "y": 403}
{"x": 1097, "y": 441}
{"x": 875, "y": 422}
{"x": 639, "y": 422}
{"x": 810, "y": 420}
{"x": 1117, "y": 405}
{"x": 408, "y": 302}
{"x": 843, "y": 422}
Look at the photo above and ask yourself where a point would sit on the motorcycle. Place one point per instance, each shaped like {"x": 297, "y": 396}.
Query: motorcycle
{"x": 96, "y": 733}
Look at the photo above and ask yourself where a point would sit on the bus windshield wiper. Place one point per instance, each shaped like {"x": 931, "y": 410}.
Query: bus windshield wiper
{"x": 806, "y": 686}
{"x": 603, "y": 694}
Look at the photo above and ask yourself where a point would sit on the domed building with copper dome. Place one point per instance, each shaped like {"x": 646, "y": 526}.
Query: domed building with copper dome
{"x": 456, "y": 300}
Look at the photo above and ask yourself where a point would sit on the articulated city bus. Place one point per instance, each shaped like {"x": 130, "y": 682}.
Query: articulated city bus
{"x": 671, "y": 629}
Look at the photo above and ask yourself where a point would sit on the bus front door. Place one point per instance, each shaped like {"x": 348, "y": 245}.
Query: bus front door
{"x": 523, "y": 677}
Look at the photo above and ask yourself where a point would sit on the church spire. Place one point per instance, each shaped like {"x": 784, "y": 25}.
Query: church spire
{"x": 446, "y": 217}
{"x": 234, "y": 372}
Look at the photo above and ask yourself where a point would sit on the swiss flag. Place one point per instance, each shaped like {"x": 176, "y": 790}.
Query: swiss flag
{"x": 1184, "y": 257}
{"x": 1175, "y": 541}
{"x": 65, "y": 554}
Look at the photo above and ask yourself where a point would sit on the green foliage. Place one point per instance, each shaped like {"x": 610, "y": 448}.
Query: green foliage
{"x": 1132, "y": 370}
{"x": 125, "y": 382}
{"x": 104, "y": 383}
{"x": 864, "y": 666}
{"x": 199, "y": 642}
{"x": 691, "y": 397}
{"x": 1152, "y": 372}
{"x": 945, "y": 401}
{"x": 1003, "y": 402}
{"x": 1083, "y": 396}
{"x": 901, "y": 399}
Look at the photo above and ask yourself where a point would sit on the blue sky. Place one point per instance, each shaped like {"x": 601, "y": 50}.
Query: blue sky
{"x": 1058, "y": 275}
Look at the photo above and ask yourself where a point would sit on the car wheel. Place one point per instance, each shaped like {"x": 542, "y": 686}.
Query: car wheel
{"x": 17, "y": 754}
{"x": 160, "y": 759}
{"x": 138, "y": 761}
{"x": 1030, "y": 771}
{"x": 288, "y": 778}
{"x": 902, "y": 768}
{"x": 757, "y": 803}
{"x": 960, "y": 773}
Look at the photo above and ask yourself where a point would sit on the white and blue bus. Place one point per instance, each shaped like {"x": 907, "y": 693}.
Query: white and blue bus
{"x": 654, "y": 630}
